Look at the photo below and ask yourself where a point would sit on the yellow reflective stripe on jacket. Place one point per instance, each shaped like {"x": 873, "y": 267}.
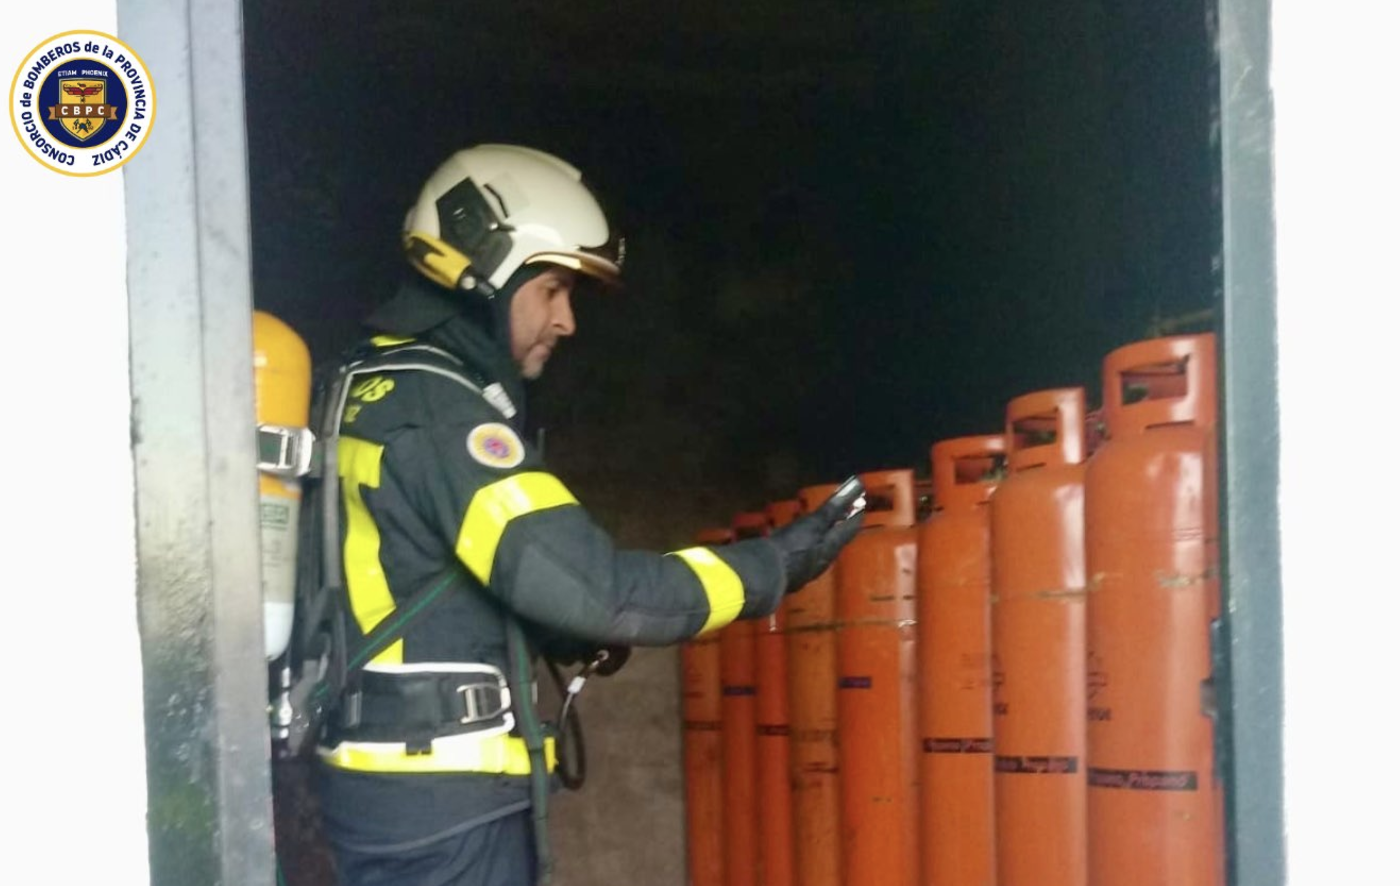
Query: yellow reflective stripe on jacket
{"x": 370, "y": 599}
{"x": 723, "y": 588}
{"x": 494, "y": 506}
{"x": 496, "y": 754}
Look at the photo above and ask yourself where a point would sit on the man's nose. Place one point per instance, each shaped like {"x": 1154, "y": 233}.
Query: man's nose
{"x": 563, "y": 313}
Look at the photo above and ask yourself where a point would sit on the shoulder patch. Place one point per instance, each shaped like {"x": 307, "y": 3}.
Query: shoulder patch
{"x": 495, "y": 445}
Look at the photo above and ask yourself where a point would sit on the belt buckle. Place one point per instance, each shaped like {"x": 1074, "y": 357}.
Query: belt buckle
{"x": 476, "y": 698}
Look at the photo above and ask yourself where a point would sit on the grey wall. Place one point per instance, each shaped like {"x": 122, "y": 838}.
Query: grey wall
{"x": 627, "y": 823}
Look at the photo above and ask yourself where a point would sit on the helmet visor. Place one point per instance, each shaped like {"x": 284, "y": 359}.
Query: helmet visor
{"x": 603, "y": 263}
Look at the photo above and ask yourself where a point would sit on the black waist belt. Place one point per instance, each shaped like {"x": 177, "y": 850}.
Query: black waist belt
{"x": 417, "y": 707}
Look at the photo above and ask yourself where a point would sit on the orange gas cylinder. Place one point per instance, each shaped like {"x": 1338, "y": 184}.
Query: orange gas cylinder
{"x": 875, "y": 605}
{"x": 775, "y": 852}
{"x": 955, "y": 665}
{"x": 1155, "y": 807}
{"x": 739, "y": 707}
{"x": 1038, "y": 637}
{"x": 701, "y": 712}
{"x": 811, "y": 649}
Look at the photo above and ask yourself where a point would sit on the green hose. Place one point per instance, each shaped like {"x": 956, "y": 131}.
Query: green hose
{"x": 522, "y": 681}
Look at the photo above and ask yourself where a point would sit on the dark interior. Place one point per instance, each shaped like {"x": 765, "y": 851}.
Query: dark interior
{"x": 852, "y": 230}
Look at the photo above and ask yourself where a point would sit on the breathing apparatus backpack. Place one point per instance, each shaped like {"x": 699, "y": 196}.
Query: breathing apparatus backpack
{"x": 311, "y": 659}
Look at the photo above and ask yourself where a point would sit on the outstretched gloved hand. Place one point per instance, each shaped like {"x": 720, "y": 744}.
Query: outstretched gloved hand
{"x": 811, "y": 543}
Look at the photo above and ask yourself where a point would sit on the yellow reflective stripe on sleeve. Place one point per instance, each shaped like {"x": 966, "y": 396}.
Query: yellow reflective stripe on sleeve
{"x": 388, "y": 341}
{"x": 370, "y": 600}
{"x": 494, "y": 506}
{"x": 723, "y": 588}
{"x": 501, "y": 754}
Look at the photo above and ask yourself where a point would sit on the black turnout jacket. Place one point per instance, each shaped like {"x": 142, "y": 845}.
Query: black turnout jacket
{"x": 436, "y": 474}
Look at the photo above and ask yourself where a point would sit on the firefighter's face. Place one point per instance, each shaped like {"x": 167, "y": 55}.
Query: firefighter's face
{"x": 541, "y": 313}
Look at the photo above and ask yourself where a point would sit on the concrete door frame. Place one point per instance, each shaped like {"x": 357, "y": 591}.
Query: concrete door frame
{"x": 199, "y": 595}
{"x": 1250, "y": 654}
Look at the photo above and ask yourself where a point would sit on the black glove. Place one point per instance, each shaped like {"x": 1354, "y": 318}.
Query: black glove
{"x": 810, "y": 543}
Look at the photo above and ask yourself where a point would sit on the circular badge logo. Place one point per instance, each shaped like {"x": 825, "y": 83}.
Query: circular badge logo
{"x": 495, "y": 445}
{"x": 82, "y": 103}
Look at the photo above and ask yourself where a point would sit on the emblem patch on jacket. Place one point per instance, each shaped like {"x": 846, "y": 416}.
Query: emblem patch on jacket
{"x": 495, "y": 445}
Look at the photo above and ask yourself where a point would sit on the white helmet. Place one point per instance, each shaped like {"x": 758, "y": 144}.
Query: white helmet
{"x": 490, "y": 209}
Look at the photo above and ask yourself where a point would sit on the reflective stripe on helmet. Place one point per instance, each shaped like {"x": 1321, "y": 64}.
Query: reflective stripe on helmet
{"x": 492, "y": 509}
{"x": 723, "y": 588}
{"x": 583, "y": 262}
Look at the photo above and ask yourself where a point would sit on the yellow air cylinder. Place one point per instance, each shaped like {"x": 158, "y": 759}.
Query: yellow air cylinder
{"x": 282, "y": 386}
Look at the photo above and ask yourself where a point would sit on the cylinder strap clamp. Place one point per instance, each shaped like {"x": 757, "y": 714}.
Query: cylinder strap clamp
{"x": 284, "y": 451}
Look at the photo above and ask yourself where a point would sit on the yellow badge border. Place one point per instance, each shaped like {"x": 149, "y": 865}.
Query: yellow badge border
{"x": 145, "y": 72}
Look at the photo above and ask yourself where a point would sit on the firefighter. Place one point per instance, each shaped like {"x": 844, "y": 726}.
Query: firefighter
{"x": 430, "y": 778}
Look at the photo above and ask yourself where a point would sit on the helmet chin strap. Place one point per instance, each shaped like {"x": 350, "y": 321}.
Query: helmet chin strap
{"x": 499, "y": 299}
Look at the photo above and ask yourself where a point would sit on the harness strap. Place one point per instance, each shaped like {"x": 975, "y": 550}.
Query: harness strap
{"x": 393, "y": 706}
{"x": 403, "y": 357}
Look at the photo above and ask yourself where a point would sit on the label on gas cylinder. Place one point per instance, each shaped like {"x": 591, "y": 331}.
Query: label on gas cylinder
{"x": 975, "y": 745}
{"x": 1038, "y": 765}
{"x": 1142, "y": 779}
